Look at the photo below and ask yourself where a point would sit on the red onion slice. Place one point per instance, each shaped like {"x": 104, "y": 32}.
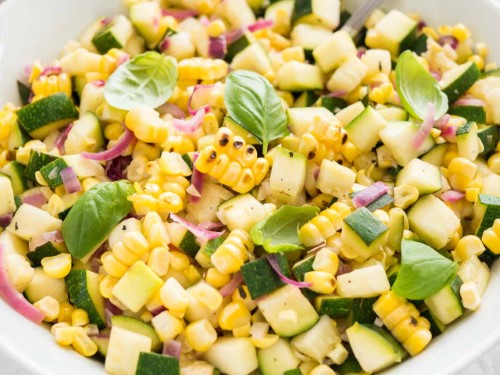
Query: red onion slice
{"x": 70, "y": 180}
{"x": 196, "y": 89}
{"x": 233, "y": 35}
{"x": 41, "y": 239}
{"x": 172, "y": 348}
{"x": 370, "y": 194}
{"x": 337, "y": 94}
{"x": 13, "y": 298}
{"x": 451, "y": 196}
{"x": 37, "y": 199}
{"x": 197, "y": 231}
{"x": 232, "y": 285}
{"x": 217, "y": 47}
{"x": 6, "y": 219}
{"x": 59, "y": 143}
{"x": 448, "y": 39}
{"x": 179, "y": 14}
{"x": 197, "y": 181}
{"x": 260, "y": 24}
{"x": 191, "y": 125}
{"x": 172, "y": 109}
{"x": 164, "y": 44}
{"x": 449, "y": 133}
{"x": 98, "y": 83}
{"x": 210, "y": 225}
{"x": 425, "y": 128}
{"x": 115, "y": 151}
{"x": 274, "y": 263}
{"x": 473, "y": 102}
{"x": 51, "y": 70}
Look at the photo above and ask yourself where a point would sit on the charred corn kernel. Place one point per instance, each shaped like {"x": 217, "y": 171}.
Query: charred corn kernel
{"x": 202, "y": 68}
{"x": 327, "y": 261}
{"x": 64, "y": 336}
{"x": 65, "y": 311}
{"x": 322, "y": 370}
{"x": 491, "y": 237}
{"x": 58, "y": 266}
{"x": 179, "y": 144}
{"x": 167, "y": 326}
{"x": 159, "y": 260}
{"x": 147, "y": 125}
{"x": 79, "y": 318}
{"x": 83, "y": 344}
{"x": 49, "y": 307}
{"x": 192, "y": 274}
{"x": 233, "y": 252}
{"x": 179, "y": 261}
{"x": 112, "y": 265}
{"x": 324, "y": 225}
{"x": 106, "y": 286}
{"x": 242, "y": 331}
{"x": 478, "y": 60}
{"x": 460, "y": 32}
{"x": 471, "y": 298}
{"x": 201, "y": 335}
{"x": 339, "y": 354}
{"x": 468, "y": 246}
{"x": 321, "y": 282}
{"x": 404, "y": 321}
{"x": 216, "y": 28}
{"x": 234, "y": 315}
{"x": 405, "y": 196}
{"x": 46, "y": 85}
{"x": 241, "y": 294}
{"x": 322, "y": 201}
{"x": 216, "y": 279}
{"x": 462, "y": 173}
{"x": 173, "y": 296}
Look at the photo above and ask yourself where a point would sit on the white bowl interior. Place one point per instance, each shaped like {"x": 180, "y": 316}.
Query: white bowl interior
{"x": 31, "y": 29}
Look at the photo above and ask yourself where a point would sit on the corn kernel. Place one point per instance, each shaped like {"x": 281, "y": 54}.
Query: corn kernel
{"x": 65, "y": 311}
{"x": 321, "y": 282}
{"x": 207, "y": 295}
{"x": 471, "y": 299}
{"x": 173, "y": 296}
{"x": 57, "y": 266}
{"x": 83, "y": 344}
{"x": 234, "y": 315}
{"x": 327, "y": 261}
{"x": 216, "y": 279}
{"x": 159, "y": 260}
{"x": 49, "y": 306}
{"x": 468, "y": 246}
{"x": 79, "y": 318}
{"x": 201, "y": 335}
{"x": 65, "y": 336}
{"x": 167, "y": 326}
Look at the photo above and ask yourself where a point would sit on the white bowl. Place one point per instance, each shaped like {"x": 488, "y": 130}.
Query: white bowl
{"x": 34, "y": 29}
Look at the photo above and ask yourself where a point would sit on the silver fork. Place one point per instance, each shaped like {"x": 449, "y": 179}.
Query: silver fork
{"x": 358, "y": 18}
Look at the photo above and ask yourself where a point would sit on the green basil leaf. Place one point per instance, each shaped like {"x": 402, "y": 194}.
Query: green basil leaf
{"x": 148, "y": 79}
{"x": 423, "y": 271}
{"x": 417, "y": 88}
{"x": 252, "y": 102}
{"x": 94, "y": 215}
{"x": 279, "y": 232}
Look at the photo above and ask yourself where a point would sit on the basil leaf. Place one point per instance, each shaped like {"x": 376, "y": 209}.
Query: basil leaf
{"x": 423, "y": 271}
{"x": 252, "y": 102}
{"x": 417, "y": 88}
{"x": 279, "y": 231}
{"x": 148, "y": 79}
{"x": 94, "y": 215}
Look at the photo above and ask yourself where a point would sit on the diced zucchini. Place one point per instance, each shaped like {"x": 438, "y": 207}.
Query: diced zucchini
{"x": 13, "y": 244}
{"x": 306, "y": 99}
{"x": 124, "y": 350}
{"x": 473, "y": 270}
{"x": 113, "y": 35}
{"x": 377, "y": 61}
{"x": 206, "y": 208}
{"x": 424, "y": 176}
{"x": 17, "y": 137}
{"x": 446, "y": 305}
{"x": 333, "y": 306}
{"x": 254, "y": 58}
{"x": 52, "y": 172}
{"x": 309, "y": 37}
{"x": 437, "y": 327}
{"x": 419, "y": 46}
{"x": 260, "y": 278}
{"x": 7, "y": 203}
{"x": 433, "y": 221}
{"x": 189, "y": 244}
{"x": 42, "y": 286}
{"x": 333, "y": 104}
{"x": 85, "y": 135}
{"x": 206, "y": 251}
{"x": 237, "y": 13}
{"x": 348, "y": 76}
{"x": 392, "y": 113}
{"x": 349, "y": 113}
{"x": 298, "y": 76}
{"x": 277, "y": 358}
{"x": 457, "y": 81}
{"x": 435, "y": 155}
{"x": 287, "y": 311}
{"x": 363, "y": 233}
{"x": 364, "y": 130}
{"x": 363, "y": 283}
{"x": 362, "y": 311}
{"x": 334, "y": 50}
{"x": 323, "y": 12}
{"x": 233, "y": 355}
{"x": 335, "y": 179}
{"x": 30, "y": 221}
{"x": 83, "y": 167}
{"x": 299, "y": 269}
{"x": 157, "y": 364}
{"x": 472, "y": 113}
{"x": 241, "y": 212}
{"x": 300, "y": 119}
{"x": 92, "y": 100}
{"x": 398, "y": 133}
{"x": 489, "y": 136}
{"x": 468, "y": 143}
{"x": 486, "y": 211}
{"x": 46, "y": 250}
{"x": 102, "y": 342}
{"x": 83, "y": 289}
{"x": 15, "y": 171}
{"x": 138, "y": 326}
{"x": 145, "y": 17}
{"x": 42, "y": 117}
{"x": 280, "y": 12}
{"x": 37, "y": 161}
{"x": 398, "y": 222}
{"x": 395, "y": 32}
{"x": 349, "y": 366}
{"x": 287, "y": 175}
{"x": 238, "y": 45}
{"x": 374, "y": 348}
{"x": 24, "y": 92}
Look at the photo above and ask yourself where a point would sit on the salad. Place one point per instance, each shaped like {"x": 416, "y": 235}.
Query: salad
{"x": 241, "y": 187}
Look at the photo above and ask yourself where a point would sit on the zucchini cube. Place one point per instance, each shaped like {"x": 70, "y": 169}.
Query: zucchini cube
{"x": 486, "y": 211}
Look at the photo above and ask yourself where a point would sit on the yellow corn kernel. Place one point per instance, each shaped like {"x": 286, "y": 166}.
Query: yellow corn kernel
{"x": 89, "y": 183}
{"x": 322, "y": 370}
{"x": 468, "y": 246}
{"x": 64, "y": 335}
{"x": 234, "y": 315}
{"x": 106, "y": 286}
{"x": 179, "y": 261}
{"x": 49, "y": 306}
{"x": 327, "y": 261}
{"x": 83, "y": 344}
{"x": 321, "y": 282}
{"x": 113, "y": 131}
{"x": 192, "y": 274}
{"x": 170, "y": 202}
{"x": 310, "y": 235}
{"x": 65, "y": 311}
{"x": 179, "y": 144}
{"x": 266, "y": 341}
{"x": 216, "y": 28}
{"x": 228, "y": 259}
{"x": 350, "y": 152}
{"x": 339, "y": 354}
{"x": 123, "y": 254}
{"x": 471, "y": 194}
{"x": 460, "y": 32}
{"x": 471, "y": 298}
{"x": 57, "y": 266}
{"x": 113, "y": 266}
{"x": 167, "y": 326}
{"x": 216, "y": 279}
{"x": 241, "y": 294}
{"x": 159, "y": 260}
{"x": 478, "y": 60}
{"x": 79, "y": 318}
{"x": 491, "y": 237}
{"x": 23, "y": 153}
{"x": 417, "y": 342}
{"x": 405, "y": 196}
{"x": 136, "y": 242}
{"x": 494, "y": 162}
{"x": 201, "y": 335}
{"x": 242, "y": 331}
{"x": 147, "y": 125}
{"x": 482, "y": 50}
{"x": 198, "y": 68}
{"x": 173, "y": 296}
